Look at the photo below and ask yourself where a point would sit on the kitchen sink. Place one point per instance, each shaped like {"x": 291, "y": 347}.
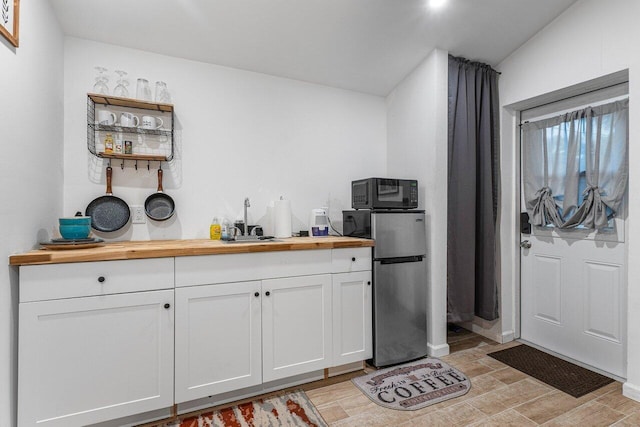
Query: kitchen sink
{"x": 234, "y": 242}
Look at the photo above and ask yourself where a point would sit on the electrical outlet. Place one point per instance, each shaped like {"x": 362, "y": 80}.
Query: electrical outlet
{"x": 137, "y": 215}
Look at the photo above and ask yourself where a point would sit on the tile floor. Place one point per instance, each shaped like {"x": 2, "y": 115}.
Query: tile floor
{"x": 499, "y": 396}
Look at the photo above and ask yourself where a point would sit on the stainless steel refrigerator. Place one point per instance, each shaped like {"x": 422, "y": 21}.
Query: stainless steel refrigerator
{"x": 399, "y": 281}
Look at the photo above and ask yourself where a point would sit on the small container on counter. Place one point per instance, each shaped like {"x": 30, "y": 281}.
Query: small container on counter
{"x": 215, "y": 230}
{"x": 226, "y": 229}
{"x": 128, "y": 147}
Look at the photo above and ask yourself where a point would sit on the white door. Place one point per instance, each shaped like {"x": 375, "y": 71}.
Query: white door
{"x": 573, "y": 281}
{"x": 352, "y": 320}
{"x": 296, "y": 325}
{"x": 92, "y": 359}
{"x": 218, "y": 339}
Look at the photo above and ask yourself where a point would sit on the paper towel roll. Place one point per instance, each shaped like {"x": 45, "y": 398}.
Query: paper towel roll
{"x": 282, "y": 220}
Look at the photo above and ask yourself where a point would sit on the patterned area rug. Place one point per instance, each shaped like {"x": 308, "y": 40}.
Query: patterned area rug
{"x": 291, "y": 410}
{"x": 413, "y": 385}
{"x": 565, "y": 376}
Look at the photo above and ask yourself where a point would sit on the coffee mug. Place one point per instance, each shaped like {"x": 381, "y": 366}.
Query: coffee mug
{"x": 106, "y": 117}
{"x": 129, "y": 120}
{"x": 151, "y": 122}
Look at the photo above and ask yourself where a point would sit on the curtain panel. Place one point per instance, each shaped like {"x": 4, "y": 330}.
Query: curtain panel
{"x": 575, "y": 166}
{"x": 473, "y": 180}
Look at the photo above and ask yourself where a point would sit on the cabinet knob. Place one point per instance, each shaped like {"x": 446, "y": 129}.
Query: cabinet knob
{"x": 167, "y": 305}
{"x": 267, "y": 293}
{"x": 101, "y": 279}
{"x": 369, "y": 282}
{"x": 353, "y": 259}
{"x": 257, "y": 294}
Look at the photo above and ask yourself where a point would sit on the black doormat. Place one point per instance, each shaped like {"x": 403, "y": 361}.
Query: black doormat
{"x": 565, "y": 376}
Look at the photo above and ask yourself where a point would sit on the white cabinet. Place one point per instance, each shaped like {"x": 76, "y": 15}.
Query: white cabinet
{"x": 352, "y": 319}
{"x": 235, "y": 335}
{"x": 96, "y": 339}
{"x": 218, "y": 339}
{"x": 91, "y": 359}
{"x": 296, "y": 325}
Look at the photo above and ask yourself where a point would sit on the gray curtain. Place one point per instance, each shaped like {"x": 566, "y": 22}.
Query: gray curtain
{"x": 575, "y": 167}
{"x": 473, "y": 180}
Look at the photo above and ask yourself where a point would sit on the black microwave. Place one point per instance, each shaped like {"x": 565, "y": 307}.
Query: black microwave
{"x": 384, "y": 193}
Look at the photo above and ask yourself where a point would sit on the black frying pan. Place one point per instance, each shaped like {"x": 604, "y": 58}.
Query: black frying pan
{"x": 108, "y": 213}
{"x": 159, "y": 206}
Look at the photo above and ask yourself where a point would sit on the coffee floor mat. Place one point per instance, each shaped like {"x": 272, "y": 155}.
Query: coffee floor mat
{"x": 560, "y": 374}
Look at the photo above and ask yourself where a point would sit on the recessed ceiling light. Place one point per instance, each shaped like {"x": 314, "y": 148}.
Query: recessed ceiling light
{"x": 435, "y": 4}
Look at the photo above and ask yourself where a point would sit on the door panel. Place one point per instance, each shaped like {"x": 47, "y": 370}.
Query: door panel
{"x": 218, "y": 339}
{"x": 296, "y": 325}
{"x": 603, "y": 298}
{"x": 352, "y": 321}
{"x": 398, "y": 234}
{"x": 103, "y": 357}
{"x": 400, "y": 321}
{"x": 547, "y": 273}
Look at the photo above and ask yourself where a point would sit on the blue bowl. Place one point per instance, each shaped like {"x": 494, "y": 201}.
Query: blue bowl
{"x": 75, "y": 231}
{"x": 75, "y": 220}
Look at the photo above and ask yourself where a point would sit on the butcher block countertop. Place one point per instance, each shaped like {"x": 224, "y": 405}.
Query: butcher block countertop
{"x": 174, "y": 248}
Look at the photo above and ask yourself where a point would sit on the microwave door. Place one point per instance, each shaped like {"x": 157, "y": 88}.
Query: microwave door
{"x": 398, "y": 234}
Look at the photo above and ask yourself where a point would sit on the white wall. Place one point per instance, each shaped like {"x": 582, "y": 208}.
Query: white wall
{"x": 417, "y": 148}
{"x": 592, "y": 38}
{"x": 243, "y": 134}
{"x": 31, "y": 114}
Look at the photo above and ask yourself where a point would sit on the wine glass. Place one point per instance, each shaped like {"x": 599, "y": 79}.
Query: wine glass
{"x": 101, "y": 81}
{"x": 121, "y": 89}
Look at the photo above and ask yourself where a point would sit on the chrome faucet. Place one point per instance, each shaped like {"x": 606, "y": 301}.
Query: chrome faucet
{"x": 246, "y": 222}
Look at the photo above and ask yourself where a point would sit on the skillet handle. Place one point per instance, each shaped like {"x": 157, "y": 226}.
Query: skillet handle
{"x": 109, "y": 174}
{"x": 160, "y": 180}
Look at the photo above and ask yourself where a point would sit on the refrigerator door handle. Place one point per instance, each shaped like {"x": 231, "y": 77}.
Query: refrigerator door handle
{"x": 399, "y": 260}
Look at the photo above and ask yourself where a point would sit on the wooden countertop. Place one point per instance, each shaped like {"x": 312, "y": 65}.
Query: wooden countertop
{"x": 174, "y": 248}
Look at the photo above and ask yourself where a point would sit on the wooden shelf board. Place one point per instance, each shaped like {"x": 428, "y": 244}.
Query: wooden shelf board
{"x": 133, "y": 157}
{"x": 130, "y": 103}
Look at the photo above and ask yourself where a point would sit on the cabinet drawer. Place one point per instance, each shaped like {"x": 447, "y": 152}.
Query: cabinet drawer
{"x": 55, "y": 281}
{"x": 210, "y": 269}
{"x": 350, "y": 259}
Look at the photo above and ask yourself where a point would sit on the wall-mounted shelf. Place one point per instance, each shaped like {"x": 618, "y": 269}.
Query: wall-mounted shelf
{"x": 130, "y": 103}
{"x": 145, "y": 157}
{"x": 123, "y": 129}
{"x": 161, "y": 146}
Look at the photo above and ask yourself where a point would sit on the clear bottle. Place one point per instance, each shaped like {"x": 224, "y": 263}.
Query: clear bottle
{"x": 226, "y": 229}
{"x": 215, "y": 230}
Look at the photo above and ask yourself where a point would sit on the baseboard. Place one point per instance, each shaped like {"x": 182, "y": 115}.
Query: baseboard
{"x": 508, "y": 336}
{"x": 487, "y": 330}
{"x": 344, "y": 369}
{"x": 438, "y": 350}
{"x": 631, "y": 391}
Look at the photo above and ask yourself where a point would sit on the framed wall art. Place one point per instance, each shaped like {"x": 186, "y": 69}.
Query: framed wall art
{"x": 9, "y": 20}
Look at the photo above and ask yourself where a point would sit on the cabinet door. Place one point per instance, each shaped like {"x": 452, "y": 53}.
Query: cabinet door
{"x": 218, "y": 339}
{"x": 296, "y": 325}
{"x": 352, "y": 333}
{"x": 92, "y": 359}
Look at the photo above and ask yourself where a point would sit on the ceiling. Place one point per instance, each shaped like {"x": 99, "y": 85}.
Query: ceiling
{"x": 362, "y": 45}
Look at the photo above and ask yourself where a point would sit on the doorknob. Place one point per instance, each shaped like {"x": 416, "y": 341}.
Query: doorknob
{"x": 525, "y": 244}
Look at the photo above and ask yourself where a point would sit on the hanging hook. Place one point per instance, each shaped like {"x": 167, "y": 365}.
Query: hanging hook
{"x": 149, "y": 165}
{"x": 160, "y": 165}
{"x": 136, "y": 165}
{"x": 109, "y": 162}
{"x": 122, "y": 165}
